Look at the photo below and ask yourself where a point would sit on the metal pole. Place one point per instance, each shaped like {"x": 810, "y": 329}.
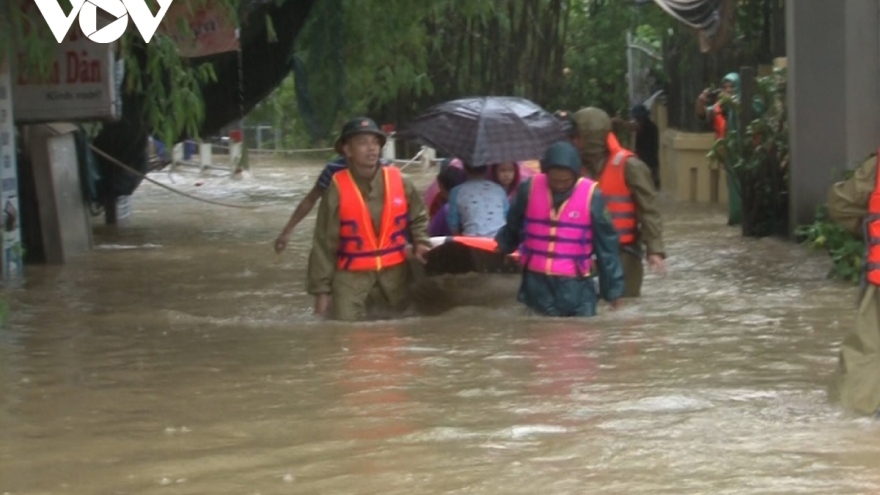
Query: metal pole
{"x": 629, "y": 64}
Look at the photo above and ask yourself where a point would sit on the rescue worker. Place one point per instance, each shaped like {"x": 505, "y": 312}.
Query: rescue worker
{"x": 359, "y": 255}
{"x": 723, "y": 117}
{"x": 855, "y": 205}
{"x": 629, "y": 192}
{"x": 305, "y": 206}
{"x": 716, "y": 112}
{"x": 559, "y": 221}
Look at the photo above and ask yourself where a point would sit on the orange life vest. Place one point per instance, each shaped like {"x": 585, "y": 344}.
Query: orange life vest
{"x": 361, "y": 248}
{"x": 482, "y": 243}
{"x": 719, "y": 122}
{"x": 618, "y": 197}
{"x": 872, "y": 231}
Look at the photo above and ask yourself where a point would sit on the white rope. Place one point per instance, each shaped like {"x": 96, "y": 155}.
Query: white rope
{"x": 676, "y": 9}
{"x": 413, "y": 159}
{"x": 311, "y": 150}
{"x": 144, "y": 176}
{"x": 272, "y": 150}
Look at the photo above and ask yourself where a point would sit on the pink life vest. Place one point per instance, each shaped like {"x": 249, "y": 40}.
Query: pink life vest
{"x": 558, "y": 243}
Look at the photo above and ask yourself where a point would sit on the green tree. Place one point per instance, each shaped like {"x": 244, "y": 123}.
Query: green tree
{"x": 400, "y": 57}
{"x": 281, "y": 111}
{"x": 169, "y": 82}
{"x": 595, "y": 55}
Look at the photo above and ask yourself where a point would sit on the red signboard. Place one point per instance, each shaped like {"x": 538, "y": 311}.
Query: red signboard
{"x": 205, "y": 31}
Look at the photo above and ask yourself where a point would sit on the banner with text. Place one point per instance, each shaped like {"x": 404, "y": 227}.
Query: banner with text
{"x": 83, "y": 83}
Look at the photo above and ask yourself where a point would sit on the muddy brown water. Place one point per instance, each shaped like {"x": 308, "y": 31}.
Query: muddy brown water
{"x": 181, "y": 357}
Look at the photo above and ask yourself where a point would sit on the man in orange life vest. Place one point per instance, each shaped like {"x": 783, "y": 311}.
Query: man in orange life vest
{"x": 723, "y": 116}
{"x": 559, "y": 221}
{"x": 366, "y": 220}
{"x": 714, "y": 111}
{"x": 628, "y": 187}
{"x": 855, "y": 205}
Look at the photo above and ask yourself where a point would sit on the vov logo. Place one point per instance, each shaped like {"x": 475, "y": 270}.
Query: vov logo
{"x": 87, "y": 10}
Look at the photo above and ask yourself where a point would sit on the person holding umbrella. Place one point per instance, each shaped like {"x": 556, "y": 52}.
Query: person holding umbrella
{"x": 559, "y": 221}
{"x": 365, "y": 220}
{"x": 308, "y": 202}
{"x": 629, "y": 190}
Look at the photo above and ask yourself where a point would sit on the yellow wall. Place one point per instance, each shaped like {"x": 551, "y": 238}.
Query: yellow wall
{"x": 686, "y": 173}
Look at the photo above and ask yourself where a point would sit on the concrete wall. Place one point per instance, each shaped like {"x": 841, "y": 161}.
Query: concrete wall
{"x": 686, "y": 174}
{"x": 833, "y": 94}
{"x": 64, "y": 216}
{"x": 862, "y": 86}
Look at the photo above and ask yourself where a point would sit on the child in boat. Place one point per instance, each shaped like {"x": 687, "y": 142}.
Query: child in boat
{"x": 507, "y": 175}
{"x": 448, "y": 178}
{"x": 478, "y": 207}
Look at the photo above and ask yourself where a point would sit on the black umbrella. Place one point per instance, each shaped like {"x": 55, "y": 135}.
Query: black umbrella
{"x": 487, "y": 130}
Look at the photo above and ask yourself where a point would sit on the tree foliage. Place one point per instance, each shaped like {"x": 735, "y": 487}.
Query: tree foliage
{"x": 758, "y": 156}
{"x": 400, "y": 57}
{"x": 169, "y": 83}
{"x": 759, "y": 37}
{"x": 281, "y": 111}
{"x": 847, "y": 251}
{"x": 596, "y": 51}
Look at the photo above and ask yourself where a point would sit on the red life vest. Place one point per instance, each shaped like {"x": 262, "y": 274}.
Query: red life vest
{"x": 617, "y": 194}
{"x": 719, "y": 122}
{"x": 361, "y": 248}
{"x": 872, "y": 231}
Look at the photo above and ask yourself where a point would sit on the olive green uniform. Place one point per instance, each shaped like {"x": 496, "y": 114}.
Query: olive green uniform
{"x": 734, "y": 199}
{"x": 856, "y": 382}
{"x": 356, "y": 292}
{"x": 594, "y": 126}
{"x": 650, "y": 235}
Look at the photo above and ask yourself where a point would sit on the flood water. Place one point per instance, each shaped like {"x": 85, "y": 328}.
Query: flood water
{"x": 181, "y": 357}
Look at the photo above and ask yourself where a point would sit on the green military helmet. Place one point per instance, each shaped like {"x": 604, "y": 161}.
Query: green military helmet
{"x": 593, "y": 125}
{"x": 359, "y": 125}
{"x": 562, "y": 154}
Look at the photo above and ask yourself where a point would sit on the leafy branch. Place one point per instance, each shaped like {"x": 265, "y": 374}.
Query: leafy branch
{"x": 169, "y": 83}
{"x": 846, "y": 250}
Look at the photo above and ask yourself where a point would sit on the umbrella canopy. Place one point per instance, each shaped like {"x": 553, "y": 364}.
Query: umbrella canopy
{"x": 487, "y": 130}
